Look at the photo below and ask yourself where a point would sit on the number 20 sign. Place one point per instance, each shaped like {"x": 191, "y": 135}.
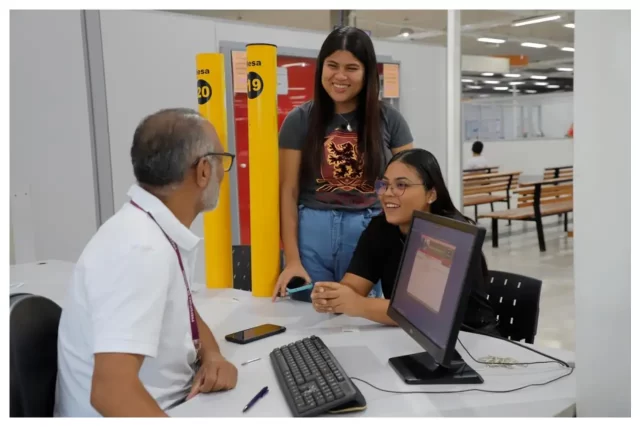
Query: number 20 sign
{"x": 204, "y": 92}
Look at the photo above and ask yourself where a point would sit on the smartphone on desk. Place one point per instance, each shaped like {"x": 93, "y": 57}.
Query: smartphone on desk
{"x": 256, "y": 333}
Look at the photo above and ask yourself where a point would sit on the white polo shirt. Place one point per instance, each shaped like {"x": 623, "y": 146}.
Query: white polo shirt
{"x": 127, "y": 295}
{"x": 477, "y": 162}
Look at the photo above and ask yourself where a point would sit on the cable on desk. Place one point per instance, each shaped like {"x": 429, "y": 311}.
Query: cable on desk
{"x": 508, "y": 363}
{"x": 467, "y": 390}
{"x": 562, "y": 362}
{"x": 553, "y": 360}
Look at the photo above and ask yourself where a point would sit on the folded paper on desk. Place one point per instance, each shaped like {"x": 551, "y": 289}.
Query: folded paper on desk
{"x": 358, "y": 404}
{"x": 500, "y": 362}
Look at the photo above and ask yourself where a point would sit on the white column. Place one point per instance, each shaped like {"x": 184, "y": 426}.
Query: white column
{"x": 340, "y": 17}
{"x": 602, "y": 260}
{"x": 352, "y": 18}
{"x": 454, "y": 126}
{"x": 514, "y": 113}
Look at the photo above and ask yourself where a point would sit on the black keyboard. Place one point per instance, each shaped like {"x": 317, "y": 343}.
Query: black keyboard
{"x": 312, "y": 380}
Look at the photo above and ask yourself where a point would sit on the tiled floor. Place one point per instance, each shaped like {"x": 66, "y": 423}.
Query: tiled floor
{"x": 519, "y": 253}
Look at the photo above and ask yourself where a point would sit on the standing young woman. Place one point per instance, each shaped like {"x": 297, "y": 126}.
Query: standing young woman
{"x": 331, "y": 151}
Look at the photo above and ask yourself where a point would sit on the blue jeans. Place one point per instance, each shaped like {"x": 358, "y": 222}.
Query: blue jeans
{"x": 326, "y": 242}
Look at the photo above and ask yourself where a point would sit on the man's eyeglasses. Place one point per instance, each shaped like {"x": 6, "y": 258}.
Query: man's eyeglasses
{"x": 225, "y": 158}
{"x": 397, "y": 189}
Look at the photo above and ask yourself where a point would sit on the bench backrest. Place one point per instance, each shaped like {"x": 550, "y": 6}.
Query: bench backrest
{"x": 480, "y": 171}
{"x": 489, "y": 183}
{"x": 558, "y": 172}
{"x": 552, "y": 191}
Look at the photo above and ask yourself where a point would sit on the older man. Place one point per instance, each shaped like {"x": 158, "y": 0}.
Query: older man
{"x": 131, "y": 342}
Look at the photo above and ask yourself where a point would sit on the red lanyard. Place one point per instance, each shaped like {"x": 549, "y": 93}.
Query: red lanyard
{"x": 195, "y": 334}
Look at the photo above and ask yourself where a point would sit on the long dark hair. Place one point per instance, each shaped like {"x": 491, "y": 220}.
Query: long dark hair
{"x": 427, "y": 166}
{"x": 368, "y": 112}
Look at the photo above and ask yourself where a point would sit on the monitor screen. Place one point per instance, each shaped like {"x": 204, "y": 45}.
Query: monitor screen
{"x": 432, "y": 277}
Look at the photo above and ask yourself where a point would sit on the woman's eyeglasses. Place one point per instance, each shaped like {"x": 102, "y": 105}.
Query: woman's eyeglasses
{"x": 225, "y": 158}
{"x": 397, "y": 189}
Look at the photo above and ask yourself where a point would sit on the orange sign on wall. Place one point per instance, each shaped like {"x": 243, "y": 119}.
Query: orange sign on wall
{"x": 239, "y": 66}
{"x": 391, "y": 81}
{"x": 515, "y": 60}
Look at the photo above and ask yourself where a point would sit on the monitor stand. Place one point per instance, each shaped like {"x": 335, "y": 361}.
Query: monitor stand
{"x": 421, "y": 368}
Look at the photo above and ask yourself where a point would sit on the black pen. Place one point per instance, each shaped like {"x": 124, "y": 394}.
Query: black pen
{"x": 262, "y": 392}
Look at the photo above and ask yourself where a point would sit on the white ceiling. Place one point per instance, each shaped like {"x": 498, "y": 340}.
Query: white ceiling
{"x": 475, "y": 24}
{"x": 429, "y": 27}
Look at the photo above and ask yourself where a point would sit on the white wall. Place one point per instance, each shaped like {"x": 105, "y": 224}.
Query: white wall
{"x": 150, "y": 64}
{"x": 53, "y": 207}
{"x": 603, "y": 213}
{"x": 313, "y": 19}
{"x": 530, "y": 156}
{"x": 557, "y": 114}
{"x": 149, "y": 60}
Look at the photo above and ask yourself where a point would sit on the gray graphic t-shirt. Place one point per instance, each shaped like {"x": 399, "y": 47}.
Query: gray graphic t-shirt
{"x": 340, "y": 183}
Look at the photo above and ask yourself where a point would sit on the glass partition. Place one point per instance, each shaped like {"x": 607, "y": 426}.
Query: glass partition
{"x": 513, "y": 118}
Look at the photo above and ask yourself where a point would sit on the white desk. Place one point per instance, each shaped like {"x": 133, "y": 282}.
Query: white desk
{"x": 363, "y": 353}
{"x": 47, "y": 278}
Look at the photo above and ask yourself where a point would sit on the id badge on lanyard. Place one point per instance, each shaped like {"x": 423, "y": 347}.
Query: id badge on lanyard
{"x": 195, "y": 333}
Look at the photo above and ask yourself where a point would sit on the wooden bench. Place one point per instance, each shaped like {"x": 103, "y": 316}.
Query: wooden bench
{"x": 488, "y": 188}
{"x": 488, "y": 169}
{"x": 558, "y": 172}
{"x": 535, "y": 201}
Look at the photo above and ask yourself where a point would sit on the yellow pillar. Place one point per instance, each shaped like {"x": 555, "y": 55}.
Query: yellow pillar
{"x": 217, "y": 223}
{"x": 263, "y": 169}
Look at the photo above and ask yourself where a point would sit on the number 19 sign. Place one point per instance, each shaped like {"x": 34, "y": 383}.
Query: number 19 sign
{"x": 254, "y": 85}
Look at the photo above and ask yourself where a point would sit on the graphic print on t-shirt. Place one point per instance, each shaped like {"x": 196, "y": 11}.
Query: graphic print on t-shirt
{"x": 430, "y": 272}
{"x": 342, "y": 171}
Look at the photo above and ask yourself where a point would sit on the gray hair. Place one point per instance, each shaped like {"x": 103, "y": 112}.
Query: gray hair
{"x": 166, "y": 144}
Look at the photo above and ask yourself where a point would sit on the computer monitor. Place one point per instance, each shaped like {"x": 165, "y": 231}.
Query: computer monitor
{"x": 430, "y": 296}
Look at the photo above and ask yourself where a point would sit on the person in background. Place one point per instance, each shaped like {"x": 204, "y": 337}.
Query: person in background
{"x": 331, "y": 151}
{"x": 412, "y": 181}
{"x": 130, "y": 341}
{"x": 477, "y": 160}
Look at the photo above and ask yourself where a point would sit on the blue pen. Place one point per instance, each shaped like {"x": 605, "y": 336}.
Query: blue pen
{"x": 261, "y": 394}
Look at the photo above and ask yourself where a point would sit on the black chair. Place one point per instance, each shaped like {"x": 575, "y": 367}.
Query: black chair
{"x": 516, "y": 301}
{"x": 241, "y": 257}
{"x": 33, "y": 355}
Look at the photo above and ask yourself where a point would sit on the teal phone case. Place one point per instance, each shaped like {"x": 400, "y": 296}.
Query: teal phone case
{"x": 301, "y": 288}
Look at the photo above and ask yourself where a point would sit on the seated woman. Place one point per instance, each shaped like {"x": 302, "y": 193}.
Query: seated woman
{"x": 412, "y": 181}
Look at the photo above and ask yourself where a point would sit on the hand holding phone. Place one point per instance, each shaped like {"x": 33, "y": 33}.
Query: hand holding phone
{"x": 298, "y": 284}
